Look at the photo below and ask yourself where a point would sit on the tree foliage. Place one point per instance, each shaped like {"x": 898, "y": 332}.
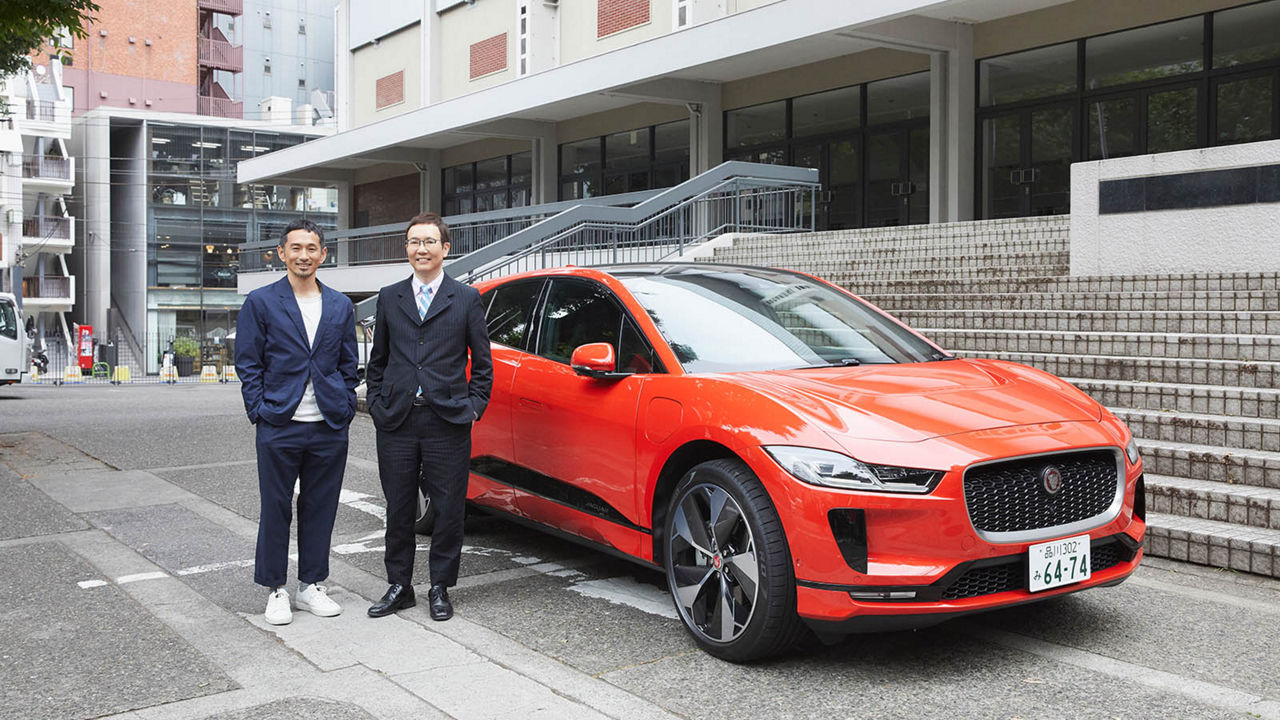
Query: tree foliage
{"x": 25, "y": 25}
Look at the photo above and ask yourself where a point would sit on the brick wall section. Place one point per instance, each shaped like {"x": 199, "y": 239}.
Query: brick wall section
{"x": 385, "y": 201}
{"x": 170, "y": 25}
{"x": 616, "y": 15}
{"x": 389, "y": 90}
{"x": 489, "y": 56}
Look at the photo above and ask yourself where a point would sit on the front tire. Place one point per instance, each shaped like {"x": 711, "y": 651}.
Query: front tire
{"x": 728, "y": 565}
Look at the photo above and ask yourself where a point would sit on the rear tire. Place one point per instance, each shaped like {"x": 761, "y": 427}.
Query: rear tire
{"x": 728, "y": 564}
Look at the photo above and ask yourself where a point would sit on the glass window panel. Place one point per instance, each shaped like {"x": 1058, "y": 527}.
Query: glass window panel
{"x": 1147, "y": 53}
{"x": 615, "y": 184}
{"x": 670, "y": 175}
{"x": 491, "y": 173}
{"x": 1173, "y": 120}
{"x": 571, "y": 191}
{"x": 175, "y": 150}
{"x": 1043, "y": 72}
{"x": 1001, "y": 160}
{"x": 521, "y": 168}
{"x": 519, "y": 195}
{"x": 577, "y": 313}
{"x": 826, "y": 112}
{"x": 450, "y": 180}
{"x": 498, "y": 200}
{"x": 671, "y": 142}
{"x": 580, "y": 157}
{"x": 900, "y": 98}
{"x": 510, "y": 310}
{"x": 846, "y": 162}
{"x": 1246, "y": 34}
{"x": 1113, "y": 128}
{"x": 463, "y": 176}
{"x": 627, "y": 150}
{"x": 1051, "y": 132}
{"x": 756, "y": 125}
{"x": 1245, "y": 109}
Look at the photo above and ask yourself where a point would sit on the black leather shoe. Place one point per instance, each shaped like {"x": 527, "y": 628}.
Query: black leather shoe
{"x": 398, "y": 597}
{"x": 438, "y": 598}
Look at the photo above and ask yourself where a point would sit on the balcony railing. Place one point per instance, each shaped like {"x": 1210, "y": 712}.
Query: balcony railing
{"x": 47, "y": 288}
{"x": 40, "y": 110}
{"x": 220, "y": 107}
{"x": 47, "y": 168}
{"x": 47, "y": 228}
{"x": 220, "y": 54}
{"x": 226, "y": 7}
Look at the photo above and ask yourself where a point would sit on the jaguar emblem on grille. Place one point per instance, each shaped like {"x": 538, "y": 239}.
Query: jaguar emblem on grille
{"x": 1051, "y": 479}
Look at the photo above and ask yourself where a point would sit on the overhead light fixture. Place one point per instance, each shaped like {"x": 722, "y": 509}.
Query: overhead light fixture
{"x": 159, "y": 140}
{"x": 254, "y": 148}
{"x": 206, "y": 144}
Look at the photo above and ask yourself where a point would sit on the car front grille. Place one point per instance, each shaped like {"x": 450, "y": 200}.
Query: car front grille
{"x": 1010, "y": 573}
{"x": 1010, "y": 496}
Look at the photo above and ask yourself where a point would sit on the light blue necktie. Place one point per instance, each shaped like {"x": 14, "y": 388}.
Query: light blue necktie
{"x": 424, "y": 302}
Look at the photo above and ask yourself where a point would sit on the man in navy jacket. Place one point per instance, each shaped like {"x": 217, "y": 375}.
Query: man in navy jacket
{"x": 296, "y": 358}
{"x": 423, "y": 404}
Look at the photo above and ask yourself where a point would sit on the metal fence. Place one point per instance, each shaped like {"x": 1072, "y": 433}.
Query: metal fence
{"x": 116, "y": 363}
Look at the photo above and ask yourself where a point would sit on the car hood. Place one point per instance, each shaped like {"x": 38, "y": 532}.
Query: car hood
{"x": 918, "y": 401}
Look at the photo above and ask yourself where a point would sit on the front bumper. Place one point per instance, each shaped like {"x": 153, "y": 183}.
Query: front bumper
{"x": 915, "y": 560}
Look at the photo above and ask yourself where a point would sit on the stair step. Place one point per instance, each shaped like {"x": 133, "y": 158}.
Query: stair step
{"x": 1062, "y": 283}
{"x": 1213, "y": 543}
{"x": 1199, "y": 429}
{"x": 1075, "y": 321}
{"x": 1256, "y": 468}
{"x": 1206, "y": 500}
{"x": 855, "y": 257}
{"x": 1185, "y": 371}
{"x": 1203, "y": 346}
{"x": 1209, "y": 301}
{"x": 1173, "y": 397}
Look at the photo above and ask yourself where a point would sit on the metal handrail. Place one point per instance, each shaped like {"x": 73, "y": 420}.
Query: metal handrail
{"x": 731, "y": 197}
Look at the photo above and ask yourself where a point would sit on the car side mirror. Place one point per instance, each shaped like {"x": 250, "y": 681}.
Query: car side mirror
{"x": 31, "y": 327}
{"x": 595, "y": 360}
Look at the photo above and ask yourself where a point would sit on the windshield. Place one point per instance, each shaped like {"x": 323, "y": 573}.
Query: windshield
{"x": 736, "y": 319}
{"x": 8, "y": 320}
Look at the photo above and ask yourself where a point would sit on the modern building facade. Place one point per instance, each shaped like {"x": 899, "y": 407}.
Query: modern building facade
{"x": 913, "y": 111}
{"x": 163, "y": 219}
{"x": 37, "y": 174}
{"x": 288, "y": 53}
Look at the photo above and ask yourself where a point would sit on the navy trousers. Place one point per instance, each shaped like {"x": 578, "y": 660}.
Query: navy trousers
{"x": 315, "y": 455}
{"x": 433, "y": 454}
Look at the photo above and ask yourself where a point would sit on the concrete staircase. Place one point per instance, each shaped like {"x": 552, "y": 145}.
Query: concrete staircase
{"x": 1190, "y": 362}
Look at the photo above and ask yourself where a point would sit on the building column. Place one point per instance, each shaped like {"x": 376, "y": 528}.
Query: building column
{"x": 546, "y": 167}
{"x": 430, "y": 192}
{"x": 706, "y": 134}
{"x": 97, "y": 208}
{"x": 962, "y": 104}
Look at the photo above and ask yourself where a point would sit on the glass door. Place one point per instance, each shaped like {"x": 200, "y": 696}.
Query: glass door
{"x": 897, "y": 190}
{"x": 1026, "y": 162}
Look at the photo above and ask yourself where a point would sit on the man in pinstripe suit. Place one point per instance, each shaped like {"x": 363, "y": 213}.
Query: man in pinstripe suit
{"x": 422, "y": 404}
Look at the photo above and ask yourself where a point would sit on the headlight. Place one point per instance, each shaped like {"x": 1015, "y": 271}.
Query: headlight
{"x": 837, "y": 470}
{"x": 1131, "y": 451}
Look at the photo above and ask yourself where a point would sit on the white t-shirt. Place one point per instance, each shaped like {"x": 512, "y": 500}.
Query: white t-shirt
{"x": 308, "y": 410}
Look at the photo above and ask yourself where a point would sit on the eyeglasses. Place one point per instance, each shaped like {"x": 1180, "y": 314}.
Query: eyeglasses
{"x": 424, "y": 242}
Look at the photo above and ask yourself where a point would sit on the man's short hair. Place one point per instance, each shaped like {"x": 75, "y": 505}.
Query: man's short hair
{"x": 430, "y": 218}
{"x": 302, "y": 224}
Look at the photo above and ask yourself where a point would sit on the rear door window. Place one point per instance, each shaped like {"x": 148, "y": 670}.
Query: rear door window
{"x": 510, "y": 312}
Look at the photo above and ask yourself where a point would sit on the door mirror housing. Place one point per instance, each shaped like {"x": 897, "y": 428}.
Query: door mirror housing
{"x": 595, "y": 360}
{"x": 31, "y": 327}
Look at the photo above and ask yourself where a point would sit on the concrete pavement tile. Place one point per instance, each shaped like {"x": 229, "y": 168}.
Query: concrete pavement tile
{"x": 174, "y": 537}
{"x": 26, "y": 512}
{"x": 297, "y": 708}
{"x": 391, "y": 645}
{"x": 86, "y": 491}
{"x": 485, "y": 691}
{"x": 75, "y": 652}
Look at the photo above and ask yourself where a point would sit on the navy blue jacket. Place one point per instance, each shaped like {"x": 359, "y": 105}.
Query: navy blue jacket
{"x": 274, "y": 361}
{"x": 409, "y": 352}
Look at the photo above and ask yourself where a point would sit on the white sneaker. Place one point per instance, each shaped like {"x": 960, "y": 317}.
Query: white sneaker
{"x": 315, "y": 600}
{"x": 278, "y": 610}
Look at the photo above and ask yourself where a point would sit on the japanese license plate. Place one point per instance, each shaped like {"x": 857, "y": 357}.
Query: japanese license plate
{"x": 1057, "y": 563}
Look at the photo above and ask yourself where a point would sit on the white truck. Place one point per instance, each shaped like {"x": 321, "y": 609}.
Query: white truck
{"x": 15, "y": 356}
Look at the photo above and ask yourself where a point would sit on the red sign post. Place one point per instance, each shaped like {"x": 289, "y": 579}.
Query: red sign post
{"x": 84, "y": 346}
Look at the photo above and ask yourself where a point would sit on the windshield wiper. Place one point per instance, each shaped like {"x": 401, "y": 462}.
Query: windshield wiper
{"x": 842, "y": 362}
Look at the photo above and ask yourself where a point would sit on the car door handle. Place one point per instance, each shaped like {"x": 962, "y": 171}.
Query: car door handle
{"x": 531, "y": 403}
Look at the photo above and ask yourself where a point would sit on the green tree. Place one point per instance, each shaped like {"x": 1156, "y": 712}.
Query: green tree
{"x": 27, "y": 24}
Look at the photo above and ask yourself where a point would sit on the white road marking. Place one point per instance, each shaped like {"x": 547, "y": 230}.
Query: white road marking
{"x": 140, "y": 577}
{"x": 86, "y": 584}
{"x": 211, "y": 567}
{"x": 1200, "y": 691}
{"x": 627, "y": 591}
